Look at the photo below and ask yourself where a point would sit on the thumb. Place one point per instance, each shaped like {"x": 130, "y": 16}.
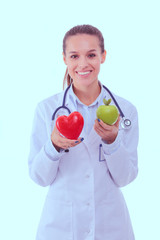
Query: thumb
{"x": 118, "y": 120}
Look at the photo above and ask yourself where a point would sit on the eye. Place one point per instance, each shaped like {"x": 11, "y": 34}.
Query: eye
{"x": 92, "y": 55}
{"x": 74, "y": 56}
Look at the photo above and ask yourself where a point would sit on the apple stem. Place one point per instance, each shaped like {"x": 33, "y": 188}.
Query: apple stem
{"x": 107, "y": 102}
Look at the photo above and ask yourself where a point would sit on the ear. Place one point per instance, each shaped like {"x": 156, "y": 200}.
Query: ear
{"x": 64, "y": 58}
{"x": 104, "y": 56}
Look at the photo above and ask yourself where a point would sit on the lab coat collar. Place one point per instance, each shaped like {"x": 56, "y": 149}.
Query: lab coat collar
{"x": 72, "y": 100}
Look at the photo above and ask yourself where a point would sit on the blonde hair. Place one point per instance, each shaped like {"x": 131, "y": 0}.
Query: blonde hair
{"x": 67, "y": 79}
{"x": 80, "y": 29}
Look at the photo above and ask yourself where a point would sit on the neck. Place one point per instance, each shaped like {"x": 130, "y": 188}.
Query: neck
{"x": 87, "y": 94}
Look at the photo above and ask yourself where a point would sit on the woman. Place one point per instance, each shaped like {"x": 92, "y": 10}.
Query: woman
{"x": 84, "y": 200}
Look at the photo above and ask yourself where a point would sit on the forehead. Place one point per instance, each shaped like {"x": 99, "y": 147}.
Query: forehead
{"x": 82, "y": 42}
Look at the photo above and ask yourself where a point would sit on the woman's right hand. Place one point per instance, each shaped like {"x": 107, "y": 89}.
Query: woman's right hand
{"x": 60, "y": 142}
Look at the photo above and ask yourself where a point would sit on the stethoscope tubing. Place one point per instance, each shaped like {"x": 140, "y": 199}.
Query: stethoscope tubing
{"x": 116, "y": 103}
{"x": 63, "y": 104}
{"x": 126, "y": 123}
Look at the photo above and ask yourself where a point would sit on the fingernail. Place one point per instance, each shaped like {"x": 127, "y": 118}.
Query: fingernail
{"x": 98, "y": 120}
{"x": 76, "y": 141}
{"x": 82, "y": 139}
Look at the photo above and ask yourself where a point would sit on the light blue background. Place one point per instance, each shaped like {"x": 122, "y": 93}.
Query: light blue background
{"x": 31, "y": 69}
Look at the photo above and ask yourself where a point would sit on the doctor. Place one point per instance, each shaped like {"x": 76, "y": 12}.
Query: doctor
{"x": 84, "y": 200}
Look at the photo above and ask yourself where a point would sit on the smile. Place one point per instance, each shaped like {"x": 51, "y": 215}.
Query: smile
{"x": 84, "y": 73}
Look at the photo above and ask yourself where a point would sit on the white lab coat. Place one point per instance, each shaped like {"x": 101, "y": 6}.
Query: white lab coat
{"x": 84, "y": 200}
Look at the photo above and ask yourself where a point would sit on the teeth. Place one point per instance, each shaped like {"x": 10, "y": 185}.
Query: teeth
{"x": 83, "y": 73}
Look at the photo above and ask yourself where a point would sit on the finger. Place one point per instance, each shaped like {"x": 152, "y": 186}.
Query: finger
{"x": 79, "y": 140}
{"x": 103, "y": 125}
{"x": 118, "y": 120}
{"x": 71, "y": 143}
{"x": 99, "y": 129}
{"x": 99, "y": 132}
{"x": 64, "y": 142}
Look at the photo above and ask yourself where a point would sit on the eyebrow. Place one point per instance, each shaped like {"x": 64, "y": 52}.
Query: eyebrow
{"x": 92, "y": 50}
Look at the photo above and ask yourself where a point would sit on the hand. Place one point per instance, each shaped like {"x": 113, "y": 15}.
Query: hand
{"x": 61, "y": 142}
{"x": 107, "y": 132}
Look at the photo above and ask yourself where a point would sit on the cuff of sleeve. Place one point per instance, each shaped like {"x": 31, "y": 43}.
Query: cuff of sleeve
{"x": 108, "y": 149}
{"x": 51, "y": 152}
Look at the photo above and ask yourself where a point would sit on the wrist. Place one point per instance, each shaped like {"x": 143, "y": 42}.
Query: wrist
{"x": 112, "y": 147}
{"x": 55, "y": 146}
{"x": 109, "y": 141}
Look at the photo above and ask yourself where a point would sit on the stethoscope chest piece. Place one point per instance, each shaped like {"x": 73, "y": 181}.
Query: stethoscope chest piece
{"x": 125, "y": 123}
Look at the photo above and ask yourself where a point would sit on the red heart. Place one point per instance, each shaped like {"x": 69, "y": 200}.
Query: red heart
{"x": 70, "y": 126}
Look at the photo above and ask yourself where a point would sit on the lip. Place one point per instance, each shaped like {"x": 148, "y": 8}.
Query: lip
{"x": 85, "y": 73}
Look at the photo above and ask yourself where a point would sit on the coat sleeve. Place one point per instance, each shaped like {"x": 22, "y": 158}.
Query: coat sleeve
{"x": 121, "y": 156}
{"x": 43, "y": 160}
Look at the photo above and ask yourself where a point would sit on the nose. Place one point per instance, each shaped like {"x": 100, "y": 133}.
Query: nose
{"x": 83, "y": 63}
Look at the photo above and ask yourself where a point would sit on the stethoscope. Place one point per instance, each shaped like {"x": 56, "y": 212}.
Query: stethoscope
{"x": 125, "y": 123}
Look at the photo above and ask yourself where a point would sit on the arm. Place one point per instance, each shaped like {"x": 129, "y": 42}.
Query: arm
{"x": 46, "y": 150}
{"x": 121, "y": 154}
{"x": 43, "y": 158}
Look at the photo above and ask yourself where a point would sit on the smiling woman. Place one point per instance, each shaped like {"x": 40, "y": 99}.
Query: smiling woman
{"x": 84, "y": 64}
{"x": 85, "y": 32}
{"x": 84, "y": 199}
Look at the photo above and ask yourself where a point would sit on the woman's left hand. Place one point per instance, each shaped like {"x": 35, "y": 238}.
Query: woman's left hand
{"x": 107, "y": 132}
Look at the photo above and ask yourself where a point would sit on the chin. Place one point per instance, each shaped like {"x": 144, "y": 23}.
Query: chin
{"x": 85, "y": 82}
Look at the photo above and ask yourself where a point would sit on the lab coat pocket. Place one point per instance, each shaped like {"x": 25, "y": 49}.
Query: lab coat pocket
{"x": 56, "y": 221}
{"x": 113, "y": 218}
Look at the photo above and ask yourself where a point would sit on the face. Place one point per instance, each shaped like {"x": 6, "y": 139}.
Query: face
{"x": 83, "y": 58}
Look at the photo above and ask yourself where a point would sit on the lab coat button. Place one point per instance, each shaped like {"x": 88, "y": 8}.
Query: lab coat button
{"x": 88, "y": 204}
{"x": 87, "y": 176}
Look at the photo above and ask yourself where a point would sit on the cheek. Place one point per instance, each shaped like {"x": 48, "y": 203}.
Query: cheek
{"x": 71, "y": 65}
{"x": 71, "y": 70}
{"x": 96, "y": 62}
{"x": 97, "y": 65}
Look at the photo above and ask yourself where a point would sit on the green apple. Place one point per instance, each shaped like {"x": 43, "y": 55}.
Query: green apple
{"x": 107, "y": 113}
